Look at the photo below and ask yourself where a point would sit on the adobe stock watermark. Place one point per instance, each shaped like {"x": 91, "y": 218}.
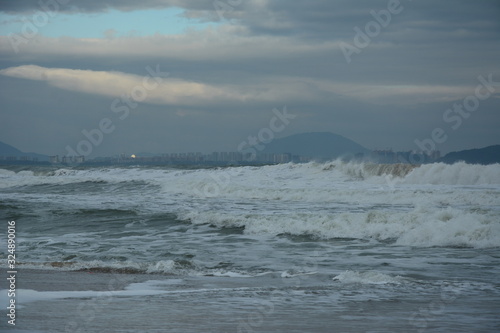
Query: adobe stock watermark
{"x": 225, "y": 7}
{"x": 30, "y": 29}
{"x": 120, "y": 106}
{"x": 420, "y": 319}
{"x": 253, "y": 144}
{"x": 459, "y": 112}
{"x": 454, "y": 116}
{"x": 249, "y": 149}
{"x": 87, "y": 310}
{"x": 255, "y": 318}
{"x": 372, "y": 29}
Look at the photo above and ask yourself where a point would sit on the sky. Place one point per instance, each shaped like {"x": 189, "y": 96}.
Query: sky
{"x": 165, "y": 76}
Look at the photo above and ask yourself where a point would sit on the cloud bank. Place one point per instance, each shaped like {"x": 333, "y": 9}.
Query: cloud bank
{"x": 259, "y": 54}
{"x": 150, "y": 88}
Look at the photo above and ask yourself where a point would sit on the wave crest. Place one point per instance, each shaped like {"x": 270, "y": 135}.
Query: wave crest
{"x": 454, "y": 174}
{"x": 420, "y": 227}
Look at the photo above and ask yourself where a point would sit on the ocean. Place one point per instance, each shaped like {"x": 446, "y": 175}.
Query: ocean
{"x": 315, "y": 247}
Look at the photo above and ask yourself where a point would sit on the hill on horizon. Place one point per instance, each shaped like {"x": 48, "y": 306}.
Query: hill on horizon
{"x": 8, "y": 151}
{"x": 486, "y": 155}
{"x": 321, "y": 145}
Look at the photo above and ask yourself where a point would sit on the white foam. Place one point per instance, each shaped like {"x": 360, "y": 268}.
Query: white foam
{"x": 421, "y": 226}
{"x": 164, "y": 267}
{"x": 291, "y": 274}
{"x": 6, "y": 173}
{"x": 289, "y": 175}
{"x": 69, "y": 176}
{"x": 147, "y": 288}
{"x": 344, "y": 200}
{"x": 455, "y": 174}
{"x": 24, "y": 296}
{"x": 220, "y": 273}
{"x": 368, "y": 277}
{"x": 431, "y": 205}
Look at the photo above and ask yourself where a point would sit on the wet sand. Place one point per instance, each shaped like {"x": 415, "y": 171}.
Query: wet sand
{"x": 62, "y": 301}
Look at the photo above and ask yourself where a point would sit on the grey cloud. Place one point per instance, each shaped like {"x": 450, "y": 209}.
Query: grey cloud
{"x": 435, "y": 49}
{"x": 94, "y": 6}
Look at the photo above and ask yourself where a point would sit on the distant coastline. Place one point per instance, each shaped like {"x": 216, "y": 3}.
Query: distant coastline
{"x": 298, "y": 148}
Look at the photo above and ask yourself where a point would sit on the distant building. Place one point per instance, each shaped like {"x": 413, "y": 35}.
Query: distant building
{"x": 73, "y": 159}
{"x": 435, "y": 154}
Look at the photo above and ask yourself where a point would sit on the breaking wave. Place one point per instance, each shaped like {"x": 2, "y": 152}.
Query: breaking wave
{"x": 366, "y": 170}
{"x": 428, "y": 205}
{"x": 436, "y": 173}
{"x": 454, "y": 174}
{"x": 420, "y": 227}
{"x": 459, "y": 173}
{"x": 163, "y": 267}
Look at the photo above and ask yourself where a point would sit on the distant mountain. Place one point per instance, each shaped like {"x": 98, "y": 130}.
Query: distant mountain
{"x": 9, "y": 151}
{"x": 487, "y": 155}
{"x": 320, "y": 145}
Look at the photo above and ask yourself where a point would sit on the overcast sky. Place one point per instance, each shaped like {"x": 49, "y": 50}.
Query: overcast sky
{"x": 201, "y": 75}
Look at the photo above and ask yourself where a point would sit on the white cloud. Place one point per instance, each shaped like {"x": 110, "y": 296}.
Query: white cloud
{"x": 172, "y": 91}
{"x": 116, "y": 84}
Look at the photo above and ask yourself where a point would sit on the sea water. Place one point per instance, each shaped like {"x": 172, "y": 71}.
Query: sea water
{"x": 316, "y": 247}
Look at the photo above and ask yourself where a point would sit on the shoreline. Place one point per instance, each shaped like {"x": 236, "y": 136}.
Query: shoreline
{"x": 81, "y": 280}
